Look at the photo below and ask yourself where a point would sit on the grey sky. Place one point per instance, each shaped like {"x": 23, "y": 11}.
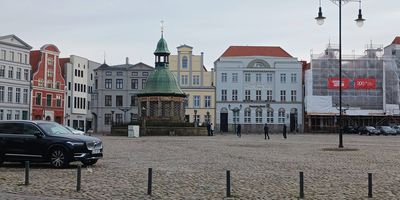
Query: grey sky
{"x": 131, "y": 28}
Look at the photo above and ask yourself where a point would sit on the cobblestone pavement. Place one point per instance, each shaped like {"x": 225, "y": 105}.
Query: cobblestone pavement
{"x": 195, "y": 168}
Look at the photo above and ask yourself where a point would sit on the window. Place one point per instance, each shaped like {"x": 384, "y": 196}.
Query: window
{"x": 134, "y": 73}
{"x": 134, "y": 83}
{"x": 40, "y": 83}
{"x": 196, "y": 80}
{"x": 76, "y": 72}
{"x": 3, "y": 54}
{"x": 133, "y": 100}
{"x": 9, "y": 113}
{"x": 234, "y": 95}
{"x": 58, "y": 100}
{"x": 108, "y": 83}
{"x": 223, "y": 95}
{"x": 234, "y": 77}
{"x": 224, "y": 77}
{"x": 247, "y": 95}
{"x": 69, "y": 101}
{"x": 145, "y": 73}
{"x": 58, "y": 85}
{"x": 270, "y": 116}
{"x": 196, "y": 101}
{"x": 235, "y": 117}
{"x": 283, "y": 95}
{"x": 119, "y": 100}
{"x": 258, "y": 95}
{"x": 1, "y": 94}
{"x": 293, "y": 78}
{"x": 108, "y": 73}
{"x": 50, "y": 73}
{"x": 283, "y": 78}
{"x": 75, "y": 102}
{"x": 10, "y": 94}
{"x": 120, "y": 74}
{"x": 119, "y": 84}
{"x": 269, "y": 95}
{"x": 2, "y": 71}
{"x": 1, "y": 114}
{"x": 20, "y": 57}
{"x": 269, "y": 77}
{"x": 258, "y": 116}
{"x": 107, "y": 100}
{"x": 49, "y": 84}
{"x": 12, "y": 56}
{"x": 25, "y": 96}
{"x": 10, "y": 72}
{"x": 118, "y": 118}
{"x": 26, "y": 74}
{"x": 207, "y": 101}
{"x": 18, "y": 75}
{"x": 107, "y": 119}
{"x": 75, "y": 87}
{"x": 38, "y": 99}
{"x": 258, "y": 78}
{"x": 48, "y": 100}
{"x": 281, "y": 116}
{"x": 293, "y": 94}
{"x": 247, "y": 77}
{"x": 143, "y": 83}
{"x": 96, "y": 84}
{"x": 247, "y": 116}
{"x": 17, "y": 95}
{"x": 26, "y": 59}
{"x": 184, "y": 62}
{"x": 184, "y": 79}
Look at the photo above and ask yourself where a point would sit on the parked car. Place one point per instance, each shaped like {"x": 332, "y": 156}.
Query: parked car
{"x": 387, "y": 130}
{"x": 44, "y": 141}
{"x": 74, "y": 131}
{"x": 349, "y": 129}
{"x": 397, "y": 129}
{"x": 368, "y": 130}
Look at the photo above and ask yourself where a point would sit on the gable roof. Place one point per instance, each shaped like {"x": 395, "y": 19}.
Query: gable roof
{"x": 235, "y": 51}
{"x": 22, "y": 44}
{"x": 396, "y": 40}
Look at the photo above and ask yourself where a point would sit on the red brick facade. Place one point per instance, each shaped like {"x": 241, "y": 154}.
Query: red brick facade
{"x": 48, "y": 84}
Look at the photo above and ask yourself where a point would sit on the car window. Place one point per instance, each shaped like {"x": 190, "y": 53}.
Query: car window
{"x": 29, "y": 129}
{"x": 54, "y": 128}
{"x": 11, "y": 128}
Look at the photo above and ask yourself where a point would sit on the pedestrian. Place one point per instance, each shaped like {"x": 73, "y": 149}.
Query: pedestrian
{"x": 284, "y": 131}
{"x": 266, "y": 131}
{"x": 208, "y": 129}
{"x": 212, "y": 129}
{"x": 239, "y": 130}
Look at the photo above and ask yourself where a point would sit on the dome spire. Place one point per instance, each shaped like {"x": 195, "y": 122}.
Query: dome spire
{"x": 162, "y": 28}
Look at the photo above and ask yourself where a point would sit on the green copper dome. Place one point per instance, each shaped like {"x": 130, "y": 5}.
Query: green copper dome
{"x": 162, "y": 82}
{"x": 162, "y": 47}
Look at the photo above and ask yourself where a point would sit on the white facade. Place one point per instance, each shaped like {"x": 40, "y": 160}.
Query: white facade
{"x": 78, "y": 73}
{"x": 264, "y": 89}
{"x": 15, "y": 70}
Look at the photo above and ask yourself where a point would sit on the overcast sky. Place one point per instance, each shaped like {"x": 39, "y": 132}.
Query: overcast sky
{"x": 131, "y": 28}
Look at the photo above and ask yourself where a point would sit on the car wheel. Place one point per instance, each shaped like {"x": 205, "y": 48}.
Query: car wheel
{"x": 89, "y": 162}
{"x": 58, "y": 158}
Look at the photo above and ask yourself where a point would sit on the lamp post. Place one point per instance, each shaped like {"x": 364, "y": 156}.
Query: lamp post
{"x": 124, "y": 109}
{"x": 144, "y": 114}
{"x": 195, "y": 118}
{"x": 235, "y": 112}
{"x": 360, "y": 22}
{"x": 112, "y": 117}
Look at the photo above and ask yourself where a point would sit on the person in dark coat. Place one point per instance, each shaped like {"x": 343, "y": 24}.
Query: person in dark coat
{"x": 284, "y": 131}
{"x": 239, "y": 130}
{"x": 266, "y": 131}
{"x": 209, "y": 129}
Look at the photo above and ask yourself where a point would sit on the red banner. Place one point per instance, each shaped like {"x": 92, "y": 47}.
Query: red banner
{"x": 333, "y": 83}
{"x": 364, "y": 83}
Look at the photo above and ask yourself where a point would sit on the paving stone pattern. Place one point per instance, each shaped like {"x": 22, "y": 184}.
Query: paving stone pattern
{"x": 195, "y": 168}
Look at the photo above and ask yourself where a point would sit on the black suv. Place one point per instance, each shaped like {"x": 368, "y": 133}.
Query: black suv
{"x": 44, "y": 141}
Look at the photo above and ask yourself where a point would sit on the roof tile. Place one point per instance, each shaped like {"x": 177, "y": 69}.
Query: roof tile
{"x": 234, "y": 51}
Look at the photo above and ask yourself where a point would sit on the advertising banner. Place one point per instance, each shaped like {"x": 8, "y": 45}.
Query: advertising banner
{"x": 364, "y": 83}
{"x": 333, "y": 83}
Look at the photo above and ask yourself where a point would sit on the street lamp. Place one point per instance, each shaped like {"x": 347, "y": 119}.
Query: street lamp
{"x": 235, "y": 111}
{"x": 144, "y": 114}
{"x": 124, "y": 109}
{"x": 360, "y": 21}
{"x": 112, "y": 117}
{"x": 195, "y": 118}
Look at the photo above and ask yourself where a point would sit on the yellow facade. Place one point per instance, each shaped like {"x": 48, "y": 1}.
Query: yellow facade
{"x": 197, "y": 82}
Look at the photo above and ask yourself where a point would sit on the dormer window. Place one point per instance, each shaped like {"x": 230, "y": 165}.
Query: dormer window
{"x": 184, "y": 62}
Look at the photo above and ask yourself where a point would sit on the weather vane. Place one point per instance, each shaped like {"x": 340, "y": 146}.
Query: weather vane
{"x": 162, "y": 27}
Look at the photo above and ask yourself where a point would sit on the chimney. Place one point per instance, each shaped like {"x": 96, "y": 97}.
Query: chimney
{"x": 127, "y": 60}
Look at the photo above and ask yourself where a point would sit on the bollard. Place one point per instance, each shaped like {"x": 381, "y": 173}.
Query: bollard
{"x": 228, "y": 183}
{"x": 26, "y": 172}
{"x": 301, "y": 185}
{"x": 149, "y": 181}
{"x": 369, "y": 185}
{"x": 78, "y": 178}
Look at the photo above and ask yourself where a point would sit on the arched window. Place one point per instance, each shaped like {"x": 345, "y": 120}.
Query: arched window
{"x": 258, "y": 116}
{"x": 281, "y": 116}
{"x": 184, "y": 62}
{"x": 270, "y": 116}
{"x": 247, "y": 115}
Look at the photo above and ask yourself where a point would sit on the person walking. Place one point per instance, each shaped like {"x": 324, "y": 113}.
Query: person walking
{"x": 208, "y": 129}
{"x": 212, "y": 129}
{"x": 239, "y": 130}
{"x": 266, "y": 131}
{"x": 284, "y": 131}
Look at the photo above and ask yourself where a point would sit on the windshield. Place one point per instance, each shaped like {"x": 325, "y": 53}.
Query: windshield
{"x": 386, "y": 128}
{"x": 54, "y": 128}
{"x": 370, "y": 128}
{"x": 70, "y": 128}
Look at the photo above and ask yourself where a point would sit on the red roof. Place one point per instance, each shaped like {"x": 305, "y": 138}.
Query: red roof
{"x": 233, "y": 51}
{"x": 396, "y": 40}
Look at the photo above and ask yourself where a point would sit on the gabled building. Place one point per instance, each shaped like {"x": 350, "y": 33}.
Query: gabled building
{"x": 257, "y": 85}
{"x": 15, "y": 78}
{"x": 48, "y": 84}
{"x": 196, "y": 82}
